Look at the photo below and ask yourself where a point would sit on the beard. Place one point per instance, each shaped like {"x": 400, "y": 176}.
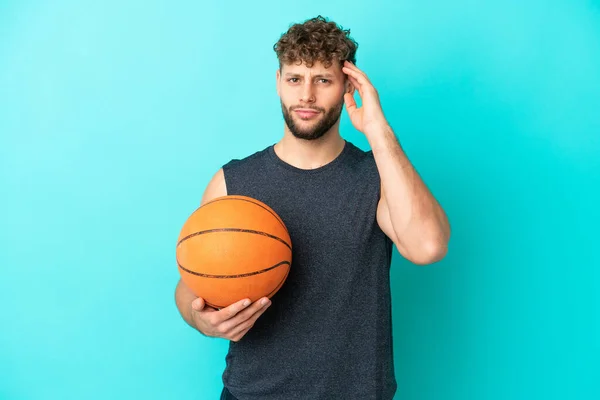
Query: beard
{"x": 315, "y": 128}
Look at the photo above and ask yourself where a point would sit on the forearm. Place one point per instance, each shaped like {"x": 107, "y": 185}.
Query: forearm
{"x": 183, "y": 299}
{"x": 418, "y": 220}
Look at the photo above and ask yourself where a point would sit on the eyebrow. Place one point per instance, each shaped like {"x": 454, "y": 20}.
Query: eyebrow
{"x": 291, "y": 74}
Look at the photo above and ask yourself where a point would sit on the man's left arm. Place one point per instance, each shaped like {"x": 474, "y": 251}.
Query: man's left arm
{"x": 407, "y": 212}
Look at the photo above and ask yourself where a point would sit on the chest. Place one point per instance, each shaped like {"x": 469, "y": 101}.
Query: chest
{"x": 321, "y": 214}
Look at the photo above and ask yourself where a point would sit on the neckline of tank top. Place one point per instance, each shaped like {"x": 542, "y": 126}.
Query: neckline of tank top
{"x": 329, "y": 165}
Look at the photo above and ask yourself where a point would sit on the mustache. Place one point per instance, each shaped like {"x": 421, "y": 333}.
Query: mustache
{"x": 307, "y": 108}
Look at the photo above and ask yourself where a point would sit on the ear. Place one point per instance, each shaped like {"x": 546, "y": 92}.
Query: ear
{"x": 278, "y": 75}
{"x": 349, "y": 86}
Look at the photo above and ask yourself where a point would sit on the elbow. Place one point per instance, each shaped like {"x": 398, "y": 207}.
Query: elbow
{"x": 429, "y": 249}
{"x": 430, "y": 253}
{"x": 435, "y": 248}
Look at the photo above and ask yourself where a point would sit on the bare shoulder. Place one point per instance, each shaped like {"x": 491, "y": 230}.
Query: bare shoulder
{"x": 215, "y": 188}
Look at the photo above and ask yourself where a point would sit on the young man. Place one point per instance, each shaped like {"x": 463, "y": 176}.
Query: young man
{"x": 327, "y": 334}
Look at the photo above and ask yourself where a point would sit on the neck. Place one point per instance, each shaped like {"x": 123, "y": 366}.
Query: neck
{"x": 309, "y": 154}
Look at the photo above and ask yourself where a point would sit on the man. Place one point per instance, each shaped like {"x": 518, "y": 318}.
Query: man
{"x": 327, "y": 333}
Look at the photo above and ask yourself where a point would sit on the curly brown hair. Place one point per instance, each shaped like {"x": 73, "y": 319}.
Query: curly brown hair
{"x": 316, "y": 39}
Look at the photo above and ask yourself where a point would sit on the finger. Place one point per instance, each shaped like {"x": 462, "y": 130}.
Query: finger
{"x": 353, "y": 67}
{"x": 239, "y": 331}
{"x": 355, "y": 72}
{"x": 198, "y": 304}
{"x": 357, "y": 79}
{"x": 233, "y": 310}
{"x": 237, "y": 337}
{"x": 350, "y": 103}
{"x": 252, "y": 313}
{"x": 243, "y": 328}
{"x": 241, "y": 335}
{"x": 356, "y": 85}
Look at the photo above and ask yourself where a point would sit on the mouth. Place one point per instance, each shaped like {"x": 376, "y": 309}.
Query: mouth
{"x": 306, "y": 114}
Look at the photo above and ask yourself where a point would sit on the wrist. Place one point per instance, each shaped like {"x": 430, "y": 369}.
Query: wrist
{"x": 376, "y": 128}
{"x": 380, "y": 137}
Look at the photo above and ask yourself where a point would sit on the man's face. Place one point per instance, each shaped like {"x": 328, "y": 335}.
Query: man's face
{"x": 317, "y": 90}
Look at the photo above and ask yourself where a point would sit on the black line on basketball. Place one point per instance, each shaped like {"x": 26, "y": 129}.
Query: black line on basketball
{"x": 253, "y": 202}
{"x": 269, "y": 295}
{"x": 234, "y": 276}
{"x": 234, "y": 230}
{"x": 280, "y": 283}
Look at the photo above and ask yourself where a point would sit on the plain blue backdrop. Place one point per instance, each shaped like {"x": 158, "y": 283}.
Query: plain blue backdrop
{"x": 115, "y": 114}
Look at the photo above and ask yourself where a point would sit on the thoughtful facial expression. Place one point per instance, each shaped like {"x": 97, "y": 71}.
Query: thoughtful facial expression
{"x": 311, "y": 98}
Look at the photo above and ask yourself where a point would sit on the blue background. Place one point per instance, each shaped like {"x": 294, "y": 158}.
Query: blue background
{"x": 115, "y": 114}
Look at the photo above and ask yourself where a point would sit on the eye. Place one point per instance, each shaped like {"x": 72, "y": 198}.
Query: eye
{"x": 291, "y": 79}
{"x": 323, "y": 79}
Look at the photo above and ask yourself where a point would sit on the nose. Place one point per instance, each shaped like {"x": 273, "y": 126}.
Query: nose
{"x": 307, "y": 93}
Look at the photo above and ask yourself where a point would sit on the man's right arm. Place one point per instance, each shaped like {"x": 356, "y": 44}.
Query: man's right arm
{"x": 231, "y": 322}
{"x": 183, "y": 294}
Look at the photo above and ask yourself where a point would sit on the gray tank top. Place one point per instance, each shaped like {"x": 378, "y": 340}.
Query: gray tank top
{"x": 328, "y": 332}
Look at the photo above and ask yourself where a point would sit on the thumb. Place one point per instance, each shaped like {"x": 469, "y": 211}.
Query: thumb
{"x": 198, "y": 304}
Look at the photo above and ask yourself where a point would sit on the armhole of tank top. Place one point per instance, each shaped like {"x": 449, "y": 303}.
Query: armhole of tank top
{"x": 226, "y": 167}
{"x": 378, "y": 176}
{"x": 389, "y": 241}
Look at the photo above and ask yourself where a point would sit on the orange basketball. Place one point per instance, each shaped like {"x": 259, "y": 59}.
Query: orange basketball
{"x": 231, "y": 248}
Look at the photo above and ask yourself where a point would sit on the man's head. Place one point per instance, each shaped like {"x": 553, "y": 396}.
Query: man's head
{"x": 310, "y": 75}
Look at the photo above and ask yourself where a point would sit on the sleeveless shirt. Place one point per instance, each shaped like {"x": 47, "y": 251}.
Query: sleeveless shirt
{"x": 328, "y": 332}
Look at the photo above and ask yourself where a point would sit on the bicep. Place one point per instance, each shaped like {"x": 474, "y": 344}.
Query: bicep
{"x": 215, "y": 188}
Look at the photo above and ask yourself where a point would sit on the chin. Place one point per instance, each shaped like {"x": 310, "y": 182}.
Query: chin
{"x": 307, "y": 135}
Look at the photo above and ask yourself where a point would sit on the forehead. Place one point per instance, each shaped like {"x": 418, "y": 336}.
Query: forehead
{"x": 317, "y": 69}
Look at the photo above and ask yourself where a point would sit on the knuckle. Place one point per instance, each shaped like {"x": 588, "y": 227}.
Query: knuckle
{"x": 212, "y": 321}
{"x": 221, "y": 329}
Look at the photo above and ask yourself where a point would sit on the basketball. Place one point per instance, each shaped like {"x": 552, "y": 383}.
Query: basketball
{"x": 231, "y": 248}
